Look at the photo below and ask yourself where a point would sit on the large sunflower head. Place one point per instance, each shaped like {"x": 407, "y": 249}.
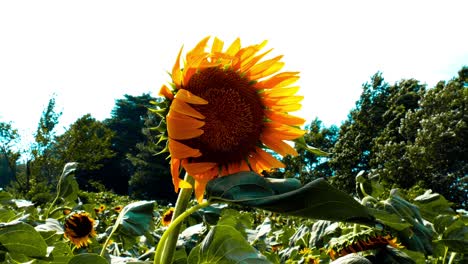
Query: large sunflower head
{"x": 225, "y": 108}
{"x": 79, "y": 228}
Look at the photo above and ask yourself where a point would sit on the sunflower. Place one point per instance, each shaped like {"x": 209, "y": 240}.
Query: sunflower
{"x": 167, "y": 217}
{"x": 224, "y": 109}
{"x": 79, "y": 228}
{"x": 118, "y": 208}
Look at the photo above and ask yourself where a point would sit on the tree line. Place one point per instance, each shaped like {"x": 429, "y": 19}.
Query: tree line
{"x": 405, "y": 134}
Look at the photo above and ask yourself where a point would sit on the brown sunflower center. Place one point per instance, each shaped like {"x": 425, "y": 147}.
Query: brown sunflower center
{"x": 79, "y": 226}
{"x": 233, "y": 115}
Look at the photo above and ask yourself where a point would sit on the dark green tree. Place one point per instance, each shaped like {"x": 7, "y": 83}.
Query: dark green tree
{"x": 152, "y": 177}
{"x": 43, "y": 166}
{"x": 8, "y": 155}
{"x": 127, "y": 121}
{"x": 439, "y": 154}
{"x": 353, "y": 150}
{"x": 88, "y": 142}
{"x": 389, "y": 147}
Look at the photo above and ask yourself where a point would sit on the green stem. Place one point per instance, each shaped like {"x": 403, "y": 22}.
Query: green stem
{"x": 162, "y": 251}
{"x": 60, "y": 208}
{"x": 445, "y": 255}
{"x": 452, "y": 257}
{"x": 166, "y": 246}
{"x": 114, "y": 228}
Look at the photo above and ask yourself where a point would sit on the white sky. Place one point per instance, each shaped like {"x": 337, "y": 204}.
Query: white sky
{"x": 90, "y": 53}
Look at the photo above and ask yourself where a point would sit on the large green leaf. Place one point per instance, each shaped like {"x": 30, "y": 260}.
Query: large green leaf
{"x": 21, "y": 238}
{"x": 432, "y": 205}
{"x": 67, "y": 187}
{"x": 136, "y": 218}
{"x": 225, "y": 245}
{"x": 316, "y": 200}
{"x": 87, "y": 258}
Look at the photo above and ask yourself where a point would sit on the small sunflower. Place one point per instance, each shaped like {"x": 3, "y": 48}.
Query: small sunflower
{"x": 305, "y": 251}
{"x": 79, "y": 228}
{"x": 166, "y": 219}
{"x": 225, "y": 109}
{"x": 118, "y": 208}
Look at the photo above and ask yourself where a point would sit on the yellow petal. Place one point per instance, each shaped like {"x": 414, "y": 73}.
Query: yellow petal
{"x": 182, "y": 151}
{"x": 199, "y": 48}
{"x": 282, "y": 131}
{"x": 176, "y": 72}
{"x": 199, "y": 167}
{"x": 175, "y": 171}
{"x": 166, "y": 92}
{"x": 286, "y": 108}
{"x": 277, "y": 101}
{"x": 217, "y": 45}
{"x": 189, "y": 97}
{"x": 278, "y": 81}
{"x": 182, "y": 107}
{"x": 184, "y": 185}
{"x": 278, "y": 145}
{"x": 273, "y": 162}
{"x": 272, "y": 69}
{"x": 280, "y": 92}
{"x": 234, "y": 48}
{"x": 180, "y": 126}
{"x": 193, "y": 65}
{"x": 284, "y": 118}
{"x": 263, "y": 66}
{"x": 200, "y": 186}
{"x": 249, "y": 63}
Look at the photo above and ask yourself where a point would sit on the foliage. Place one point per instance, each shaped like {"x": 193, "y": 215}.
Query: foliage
{"x": 353, "y": 150}
{"x": 8, "y": 156}
{"x": 127, "y": 121}
{"x": 151, "y": 178}
{"x": 87, "y": 142}
{"x": 44, "y": 165}
{"x": 405, "y": 134}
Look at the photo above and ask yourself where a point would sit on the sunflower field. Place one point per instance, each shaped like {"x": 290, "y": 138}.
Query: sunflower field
{"x": 106, "y": 228}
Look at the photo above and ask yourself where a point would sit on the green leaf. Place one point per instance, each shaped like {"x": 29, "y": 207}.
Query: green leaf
{"x": 238, "y": 220}
{"x": 301, "y": 142}
{"x": 136, "y": 218}
{"x": 5, "y": 197}
{"x": 21, "y": 238}
{"x": 392, "y": 220}
{"x": 6, "y": 215}
{"x": 225, "y": 245}
{"x": 87, "y": 258}
{"x": 454, "y": 233}
{"x": 432, "y": 205}
{"x": 67, "y": 187}
{"x": 316, "y": 200}
{"x": 51, "y": 230}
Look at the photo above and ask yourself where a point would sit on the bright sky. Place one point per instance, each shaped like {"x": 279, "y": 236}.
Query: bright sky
{"x": 89, "y": 53}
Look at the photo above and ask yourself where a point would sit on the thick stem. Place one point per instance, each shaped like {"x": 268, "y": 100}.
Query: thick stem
{"x": 165, "y": 250}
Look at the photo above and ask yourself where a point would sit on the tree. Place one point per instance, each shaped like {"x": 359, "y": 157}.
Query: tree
{"x": 88, "y": 142}
{"x": 43, "y": 165}
{"x": 389, "y": 147}
{"x": 152, "y": 177}
{"x": 127, "y": 121}
{"x": 8, "y": 156}
{"x": 439, "y": 153}
{"x": 353, "y": 150}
